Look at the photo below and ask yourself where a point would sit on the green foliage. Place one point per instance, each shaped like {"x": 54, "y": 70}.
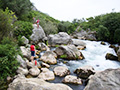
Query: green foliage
{"x": 103, "y": 33}
{"x": 23, "y": 29}
{"x": 20, "y": 7}
{"x": 20, "y": 41}
{"x": 117, "y": 36}
{"x": 8, "y": 62}
{"x": 50, "y": 28}
{"x": 6, "y": 18}
{"x": 63, "y": 56}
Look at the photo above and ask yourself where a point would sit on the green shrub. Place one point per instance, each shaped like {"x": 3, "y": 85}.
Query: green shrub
{"x": 8, "y": 62}
{"x": 23, "y": 29}
{"x": 6, "y": 18}
{"x": 117, "y": 36}
{"x": 103, "y": 33}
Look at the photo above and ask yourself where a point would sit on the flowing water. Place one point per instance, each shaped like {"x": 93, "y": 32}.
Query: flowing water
{"x": 94, "y": 56}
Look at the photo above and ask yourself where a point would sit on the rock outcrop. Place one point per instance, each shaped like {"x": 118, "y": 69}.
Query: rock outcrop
{"x": 61, "y": 71}
{"x": 61, "y": 38}
{"x": 84, "y": 72}
{"x": 38, "y": 34}
{"x": 49, "y": 57}
{"x": 118, "y": 54}
{"x": 69, "y": 52}
{"x": 105, "y": 80}
{"x": 72, "y": 79}
{"x": 22, "y": 83}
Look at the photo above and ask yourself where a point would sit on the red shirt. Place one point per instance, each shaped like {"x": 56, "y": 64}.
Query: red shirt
{"x": 32, "y": 48}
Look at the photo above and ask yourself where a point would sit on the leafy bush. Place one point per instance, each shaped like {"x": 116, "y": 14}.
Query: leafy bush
{"x": 6, "y": 18}
{"x": 23, "y": 29}
{"x": 117, "y": 36}
{"x": 103, "y": 33}
{"x": 8, "y": 62}
{"x": 20, "y": 7}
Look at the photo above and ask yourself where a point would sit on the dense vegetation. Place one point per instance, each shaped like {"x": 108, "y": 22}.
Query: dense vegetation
{"x": 16, "y": 18}
{"x": 107, "y": 26}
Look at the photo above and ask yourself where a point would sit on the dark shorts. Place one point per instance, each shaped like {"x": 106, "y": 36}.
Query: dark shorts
{"x": 32, "y": 53}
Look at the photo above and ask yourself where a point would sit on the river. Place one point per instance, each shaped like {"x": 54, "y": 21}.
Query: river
{"x": 94, "y": 56}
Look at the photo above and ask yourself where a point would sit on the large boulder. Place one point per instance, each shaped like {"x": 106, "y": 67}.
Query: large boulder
{"x": 22, "y": 83}
{"x": 79, "y": 44}
{"x": 34, "y": 71}
{"x": 105, "y": 80}
{"x": 43, "y": 47}
{"x": 89, "y": 35}
{"x": 46, "y": 74}
{"x": 118, "y": 54}
{"x": 59, "y": 39}
{"x": 25, "y": 40}
{"x": 61, "y": 71}
{"x": 69, "y": 52}
{"x": 38, "y": 34}
{"x": 26, "y": 52}
{"x": 111, "y": 57}
{"x": 72, "y": 79}
{"x": 22, "y": 71}
{"x": 49, "y": 57}
{"x": 84, "y": 72}
{"x": 21, "y": 61}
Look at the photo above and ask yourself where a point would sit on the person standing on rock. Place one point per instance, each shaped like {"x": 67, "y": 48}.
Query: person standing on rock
{"x": 38, "y": 23}
{"x": 32, "y": 48}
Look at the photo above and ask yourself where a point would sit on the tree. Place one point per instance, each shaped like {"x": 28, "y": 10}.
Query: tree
{"x": 103, "y": 33}
{"x": 6, "y": 19}
{"x": 20, "y": 7}
{"x": 117, "y": 36}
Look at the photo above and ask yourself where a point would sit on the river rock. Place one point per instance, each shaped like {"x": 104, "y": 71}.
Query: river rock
{"x": 111, "y": 57}
{"x": 118, "y": 54}
{"x": 21, "y": 61}
{"x": 77, "y": 42}
{"x": 34, "y": 71}
{"x": 23, "y": 71}
{"x": 38, "y": 34}
{"x": 61, "y": 38}
{"x": 46, "y": 74}
{"x": 49, "y": 57}
{"x": 89, "y": 35}
{"x": 72, "y": 79}
{"x": 22, "y": 83}
{"x": 45, "y": 65}
{"x": 26, "y": 52}
{"x": 69, "y": 52}
{"x": 25, "y": 40}
{"x": 84, "y": 72}
{"x": 105, "y": 80}
{"x": 43, "y": 47}
{"x": 61, "y": 71}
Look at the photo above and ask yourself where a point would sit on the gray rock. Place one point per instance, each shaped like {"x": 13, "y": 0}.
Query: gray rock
{"x": 49, "y": 57}
{"x": 34, "y": 71}
{"x": 38, "y": 34}
{"x": 69, "y": 52}
{"x": 23, "y": 71}
{"x": 46, "y": 74}
{"x": 26, "y": 52}
{"x": 118, "y": 54}
{"x": 22, "y": 83}
{"x": 25, "y": 40}
{"x": 72, "y": 79}
{"x": 61, "y": 71}
{"x": 22, "y": 62}
{"x": 84, "y": 72}
{"x": 105, "y": 80}
{"x": 59, "y": 39}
